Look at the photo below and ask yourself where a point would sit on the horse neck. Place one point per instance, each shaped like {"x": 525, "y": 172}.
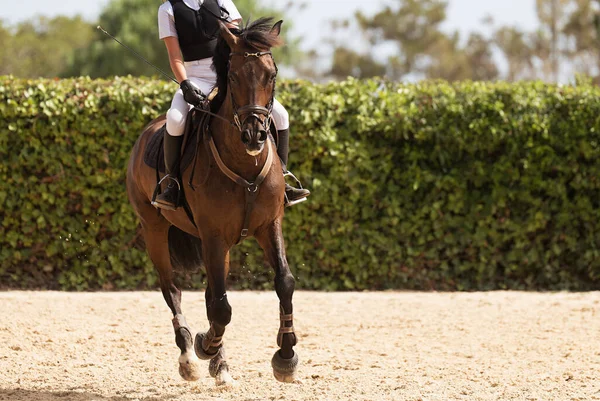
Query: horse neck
{"x": 231, "y": 149}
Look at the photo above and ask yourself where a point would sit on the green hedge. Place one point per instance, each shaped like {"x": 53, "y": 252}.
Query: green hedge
{"x": 422, "y": 186}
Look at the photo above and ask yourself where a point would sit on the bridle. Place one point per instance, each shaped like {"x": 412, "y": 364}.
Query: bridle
{"x": 252, "y": 110}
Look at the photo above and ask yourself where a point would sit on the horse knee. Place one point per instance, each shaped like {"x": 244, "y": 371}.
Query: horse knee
{"x": 221, "y": 312}
{"x": 285, "y": 284}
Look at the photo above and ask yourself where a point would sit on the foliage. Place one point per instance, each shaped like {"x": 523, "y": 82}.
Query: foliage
{"x": 468, "y": 186}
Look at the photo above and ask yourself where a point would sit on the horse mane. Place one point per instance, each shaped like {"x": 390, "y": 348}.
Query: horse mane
{"x": 255, "y": 35}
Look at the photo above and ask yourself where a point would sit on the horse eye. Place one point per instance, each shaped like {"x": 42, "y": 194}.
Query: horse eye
{"x": 273, "y": 77}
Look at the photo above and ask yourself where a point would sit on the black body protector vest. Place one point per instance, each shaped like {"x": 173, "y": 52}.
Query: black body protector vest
{"x": 197, "y": 30}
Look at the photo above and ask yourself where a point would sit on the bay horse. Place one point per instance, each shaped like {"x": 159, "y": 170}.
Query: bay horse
{"x": 243, "y": 150}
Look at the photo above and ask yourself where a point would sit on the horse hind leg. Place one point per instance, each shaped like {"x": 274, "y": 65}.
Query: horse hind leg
{"x": 157, "y": 244}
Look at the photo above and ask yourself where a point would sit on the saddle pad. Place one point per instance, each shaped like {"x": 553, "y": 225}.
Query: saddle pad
{"x": 154, "y": 156}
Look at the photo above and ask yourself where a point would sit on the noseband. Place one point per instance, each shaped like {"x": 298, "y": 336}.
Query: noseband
{"x": 252, "y": 110}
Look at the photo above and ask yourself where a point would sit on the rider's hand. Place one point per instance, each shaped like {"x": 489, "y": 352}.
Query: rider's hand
{"x": 191, "y": 93}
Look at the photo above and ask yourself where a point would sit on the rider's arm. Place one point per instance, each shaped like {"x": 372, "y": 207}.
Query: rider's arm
{"x": 234, "y": 14}
{"x": 175, "y": 58}
{"x": 168, "y": 33}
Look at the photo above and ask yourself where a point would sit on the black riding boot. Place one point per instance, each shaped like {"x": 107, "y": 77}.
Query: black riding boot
{"x": 169, "y": 199}
{"x": 292, "y": 195}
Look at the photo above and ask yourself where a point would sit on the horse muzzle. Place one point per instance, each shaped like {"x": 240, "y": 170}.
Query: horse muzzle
{"x": 254, "y": 130}
{"x": 254, "y": 139}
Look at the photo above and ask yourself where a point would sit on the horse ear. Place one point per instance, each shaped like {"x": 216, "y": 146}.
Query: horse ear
{"x": 276, "y": 30}
{"x": 229, "y": 37}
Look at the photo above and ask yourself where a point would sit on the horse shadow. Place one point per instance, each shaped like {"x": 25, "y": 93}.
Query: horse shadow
{"x": 46, "y": 395}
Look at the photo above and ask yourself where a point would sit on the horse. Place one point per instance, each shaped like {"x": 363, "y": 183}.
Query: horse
{"x": 243, "y": 197}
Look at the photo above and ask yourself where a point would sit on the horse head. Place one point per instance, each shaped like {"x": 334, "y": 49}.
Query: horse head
{"x": 251, "y": 78}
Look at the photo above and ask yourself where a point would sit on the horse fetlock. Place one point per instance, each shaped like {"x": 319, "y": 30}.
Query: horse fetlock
{"x": 207, "y": 346}
{"x": 284, "y": 369}
{"x": 216, "y": 366}
{"x": 287, "y": 340}
{"x": 224, "y": 378}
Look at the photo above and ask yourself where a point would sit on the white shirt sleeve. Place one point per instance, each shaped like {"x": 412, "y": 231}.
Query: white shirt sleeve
{"x": 229, "y": 6}
{"x": 166, "y": 21}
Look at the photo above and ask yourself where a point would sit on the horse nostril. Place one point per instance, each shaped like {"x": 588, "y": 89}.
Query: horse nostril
{"x": 246, "y": 136}
{"x": 263, "y": 135}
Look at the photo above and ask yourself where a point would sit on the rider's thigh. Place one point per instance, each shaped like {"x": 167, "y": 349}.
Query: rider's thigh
{"x": 177, "y": 114}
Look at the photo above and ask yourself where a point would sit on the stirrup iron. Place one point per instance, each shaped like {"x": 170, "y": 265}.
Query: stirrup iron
{"x": 158, "y": 191}
{"x": 287, "y": 202}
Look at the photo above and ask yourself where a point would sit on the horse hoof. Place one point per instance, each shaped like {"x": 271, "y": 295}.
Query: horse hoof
{"x": 189, "y": 368}
{"x": 198, "y": 348}
{"x": 284, "y": 370}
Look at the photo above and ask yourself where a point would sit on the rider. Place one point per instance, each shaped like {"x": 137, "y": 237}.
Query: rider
{"x": 189, "y": 29}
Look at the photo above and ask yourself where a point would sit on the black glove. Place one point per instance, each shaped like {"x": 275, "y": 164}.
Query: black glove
{"x": 191, "y": 93}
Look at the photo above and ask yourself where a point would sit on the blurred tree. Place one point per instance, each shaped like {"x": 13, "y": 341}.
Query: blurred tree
{"x": 480, "y": 58}
{"x": 6, "y": 61}
{"x": 552, "y": 15}
{"x": 582, "y": 31}
{"x": 347, "y": 62}
{"x": 420, "y": 47}
{"x": 414, "y": 28}
{"x": 517, "y": 50}
{"x": 41, "y": 47}
{"x": 473, "y": 61}
{"x": 135, "y": 23}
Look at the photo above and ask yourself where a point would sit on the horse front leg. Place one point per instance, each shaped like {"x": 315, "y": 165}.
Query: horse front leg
{"x": 285, "y": 360}
{"x": 157, "y": 244}
{"x": 209, "y": 345}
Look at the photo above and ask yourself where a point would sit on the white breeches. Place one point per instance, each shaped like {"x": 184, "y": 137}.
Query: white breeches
{"x": 201, "y": 73}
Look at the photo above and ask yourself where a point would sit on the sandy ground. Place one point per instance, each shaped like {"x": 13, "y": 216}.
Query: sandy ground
{"x": 353, "y": 346}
